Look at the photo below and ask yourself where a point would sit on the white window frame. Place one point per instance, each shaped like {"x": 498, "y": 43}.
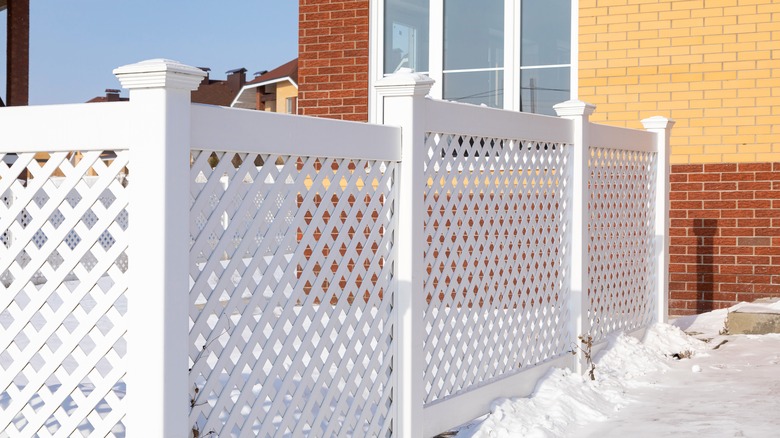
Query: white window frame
{"x": 290, "y": 104}
{"x": 511, "y": 69}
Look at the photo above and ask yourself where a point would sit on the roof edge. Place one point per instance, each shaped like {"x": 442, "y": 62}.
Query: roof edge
{"x": 261, "y": 84}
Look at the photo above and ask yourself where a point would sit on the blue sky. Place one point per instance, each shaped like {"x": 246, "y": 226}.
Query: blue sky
{"x": 74, "y": 45}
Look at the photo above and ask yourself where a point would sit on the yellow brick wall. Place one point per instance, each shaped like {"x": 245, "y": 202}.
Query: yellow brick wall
{"x": 712, "y": 65}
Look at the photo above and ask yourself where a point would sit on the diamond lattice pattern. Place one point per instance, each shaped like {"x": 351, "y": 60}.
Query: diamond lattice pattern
{"x": 620, "y": 246}
{"x": 496, "y": 230}
{"x": 63, "y": 269}
{"x": 291, "y": 310}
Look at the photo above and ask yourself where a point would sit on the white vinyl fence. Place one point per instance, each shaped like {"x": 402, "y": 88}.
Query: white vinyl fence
{"x": 170, "y": 269}
{"x": 291, "y": 258}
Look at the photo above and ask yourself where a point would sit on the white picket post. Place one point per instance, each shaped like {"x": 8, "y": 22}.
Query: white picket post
{"x": 403, "y": 95}
{"x": 157, "y": 354}
{"x": 662, "y": 127}
{"x": 578, "y": 112}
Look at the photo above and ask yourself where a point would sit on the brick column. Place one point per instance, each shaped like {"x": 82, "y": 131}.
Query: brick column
{"x": 333, "y": 59}
{"x": 18, "y": 53}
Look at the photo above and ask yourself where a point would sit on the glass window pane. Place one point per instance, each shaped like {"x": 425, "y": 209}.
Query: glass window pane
{"x": 480, "y": 87}
{"x": 541, "y": 88}
{"x": 545, "y": 32}
{"x": 406, "y": 35}
{"x": 473, "y": 34}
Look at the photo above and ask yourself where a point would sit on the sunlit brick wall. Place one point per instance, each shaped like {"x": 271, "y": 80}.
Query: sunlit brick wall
{"x": 333, "y": 59}
{"x": 712, "y": 65}
{"x": 725, "y": 235}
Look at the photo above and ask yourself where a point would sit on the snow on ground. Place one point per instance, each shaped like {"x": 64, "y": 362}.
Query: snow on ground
{"x": 641, "y": 390}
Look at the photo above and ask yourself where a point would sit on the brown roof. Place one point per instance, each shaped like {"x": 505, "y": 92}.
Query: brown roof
{"x": 112, "y": 95}
{"x": 105, "y": 99}
{"x": 213, "y": 92}
{"x": 288, "y": 70}
{"x": 220, "y": 92}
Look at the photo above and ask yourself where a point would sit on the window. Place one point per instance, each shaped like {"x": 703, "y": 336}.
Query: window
{"x": 291, "y": 105}
{"x": 406, "y": 35}
{"x": 545, "y": 54}
{"x": 474, "y": 51}
{"x": 513, "y": 54}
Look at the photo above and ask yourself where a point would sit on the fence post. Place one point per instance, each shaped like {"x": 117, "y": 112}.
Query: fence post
{"x": 158, "y": 326}
{"x": 403, "y": 96}
{"x": 662, "y": 127}
{"x": 578, "y": 112}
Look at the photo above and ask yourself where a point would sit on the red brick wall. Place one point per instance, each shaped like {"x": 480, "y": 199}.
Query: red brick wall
{"x": 18, "y": 53}
{"x": 725, "y": 235}
{"x": 333, "y": 59}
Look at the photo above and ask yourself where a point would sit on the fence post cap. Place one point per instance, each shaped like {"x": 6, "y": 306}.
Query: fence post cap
{"x": 657, "y": 122}
{"x": 574, "y": 108}
{"x": 405, "y": 82}
{"x": 159, "y": 73}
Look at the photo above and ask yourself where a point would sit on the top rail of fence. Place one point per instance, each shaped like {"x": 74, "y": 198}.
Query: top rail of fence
{"x": 626, "y": 139}
{"x": 55, "y": 128}
{"x": 460, "y": 118}
{"x": 265, "y": 132}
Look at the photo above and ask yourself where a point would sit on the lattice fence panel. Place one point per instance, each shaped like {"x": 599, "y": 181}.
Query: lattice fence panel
{"x": 63, "y": 270}
{"x": 497, "y": 232}
{"x": 291, "y": 310}
{"x": 621, "y": 212}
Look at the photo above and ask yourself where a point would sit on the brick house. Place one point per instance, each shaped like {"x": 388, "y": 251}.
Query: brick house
{"x": 275, "y": 90}
{"x": 219, "y": 91}
{"x": 711, "y": 65}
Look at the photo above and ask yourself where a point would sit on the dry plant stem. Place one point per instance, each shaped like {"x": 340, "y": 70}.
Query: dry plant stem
{"x": 194, "y": 398}
{"x": 725, "y": 329}
{"x": 587, "y": 352}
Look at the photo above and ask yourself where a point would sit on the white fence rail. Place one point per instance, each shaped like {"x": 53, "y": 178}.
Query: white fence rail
{"x": 68, "y": 127}
{"x": 271, "y": 133}
{"x": 334, "y": 278}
